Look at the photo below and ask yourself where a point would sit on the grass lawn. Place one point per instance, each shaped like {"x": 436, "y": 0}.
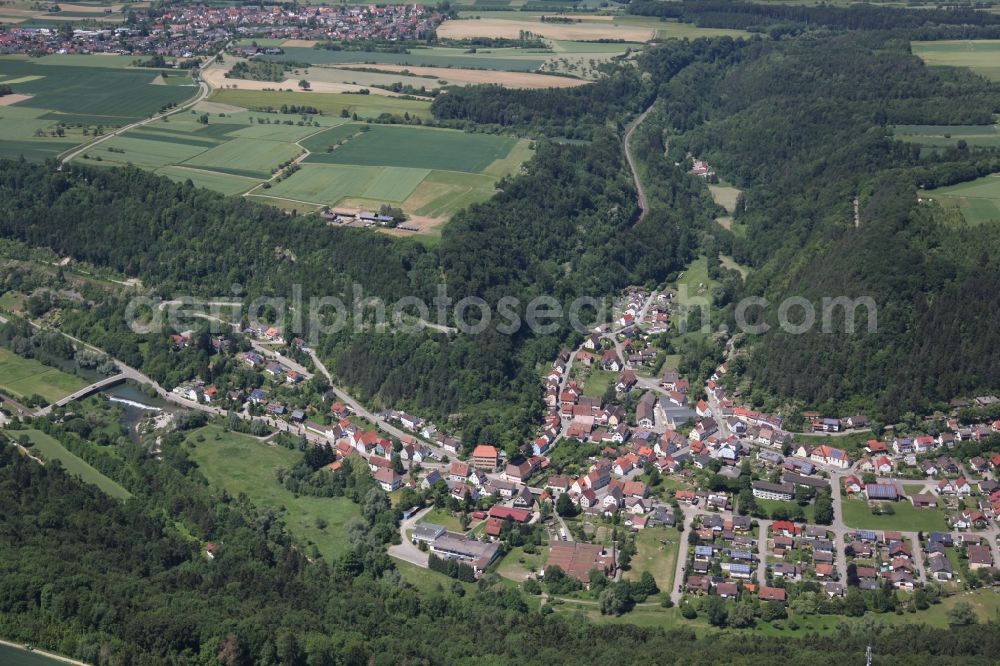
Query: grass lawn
{"x": 695, "y": 283}
{"x": 444, "y": 518}
{"x": 771, "y": 505}
{"x": 24, "y": 377}
{"x": 242, "y": 464}
{"x": 517, "y": 565}
{"x": 11, "y": 301}
{"x": 906, "y": 519}
{"x": 51, "y": 449}
{"x": 425, "y": 580}
{"x": 655, "y": 557}
{"x": 598, "y": 381}
{"x": 852, "y": 443}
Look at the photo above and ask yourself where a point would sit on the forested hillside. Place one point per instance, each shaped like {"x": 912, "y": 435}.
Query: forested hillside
{"x": 835, "y": 101}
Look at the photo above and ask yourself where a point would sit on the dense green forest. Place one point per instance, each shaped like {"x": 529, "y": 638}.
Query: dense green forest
{"x": 119, "y": 584}
{"x": 837, "y": 98}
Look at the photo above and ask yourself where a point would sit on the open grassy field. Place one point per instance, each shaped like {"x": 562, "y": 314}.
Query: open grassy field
{"x": 852, "y": 443}
{"x": 51, "y": 449}
{"x": 906, "y": 519}
{"x": 978, "y": 200}
{"x": 948, "y": 136}
{"x": 23, "y": 377}
{"x": 242, "y": 464}
{"x": 517, "y": 565}
{"x": 656, "y": 557}
{"x": 981, "y": 55}
{"x": 598, "y": 381}
{"x": 694, "y": 283}
{"x": 770, "y": 505}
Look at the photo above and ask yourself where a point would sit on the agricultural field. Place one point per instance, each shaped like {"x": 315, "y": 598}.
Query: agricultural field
{"x": 948, "y": 136}
{"x": 319, "y": 184}
{"x": 430, "y": 173}
{"x": 50, "y": 449}
{"x": 387, "y": 145}
{"x": 23, "y": 13}
{"x": 512, "y": 60}
{"x": 332, "y": 104}
{"x": 78, "y": 92}
{"x": 978, "y": 200}
{"x": 243, "y": 464}
{"x": 982, "y": 56}
{"x": 23, "y": 377}
{"x": 513, "y": 28}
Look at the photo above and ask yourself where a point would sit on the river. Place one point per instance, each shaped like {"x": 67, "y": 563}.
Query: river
{"x": 135, "y": 405}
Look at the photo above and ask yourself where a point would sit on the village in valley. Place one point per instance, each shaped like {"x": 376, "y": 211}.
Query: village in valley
{"x": 638, "y": 479}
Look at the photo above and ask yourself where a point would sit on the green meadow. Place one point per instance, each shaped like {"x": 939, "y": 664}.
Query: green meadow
{"x": 981, "y": 56}
{"x": 51, "y": 449}
{"x": 241, "y": 464}
{"x": 978, "y": 200}
{"x": 23, "y": 377}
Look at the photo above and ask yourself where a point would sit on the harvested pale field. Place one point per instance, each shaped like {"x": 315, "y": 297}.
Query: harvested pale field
{"x": 11, "y": 21}
{"x": 22, "y": 13}
{"x": 216, "y": 78}
{"x": 7, "y": 100}
{"x": 88, "y": 9}
{"x": 585, "y": 17}
{"x": 726, "y": 222}
{"x": 725, "y": 196}
{"x": 304, "y": 43}
{"x": 217, "y": 107}
{"x": 508, "y": 79}
{"x": 503, "y": 28}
